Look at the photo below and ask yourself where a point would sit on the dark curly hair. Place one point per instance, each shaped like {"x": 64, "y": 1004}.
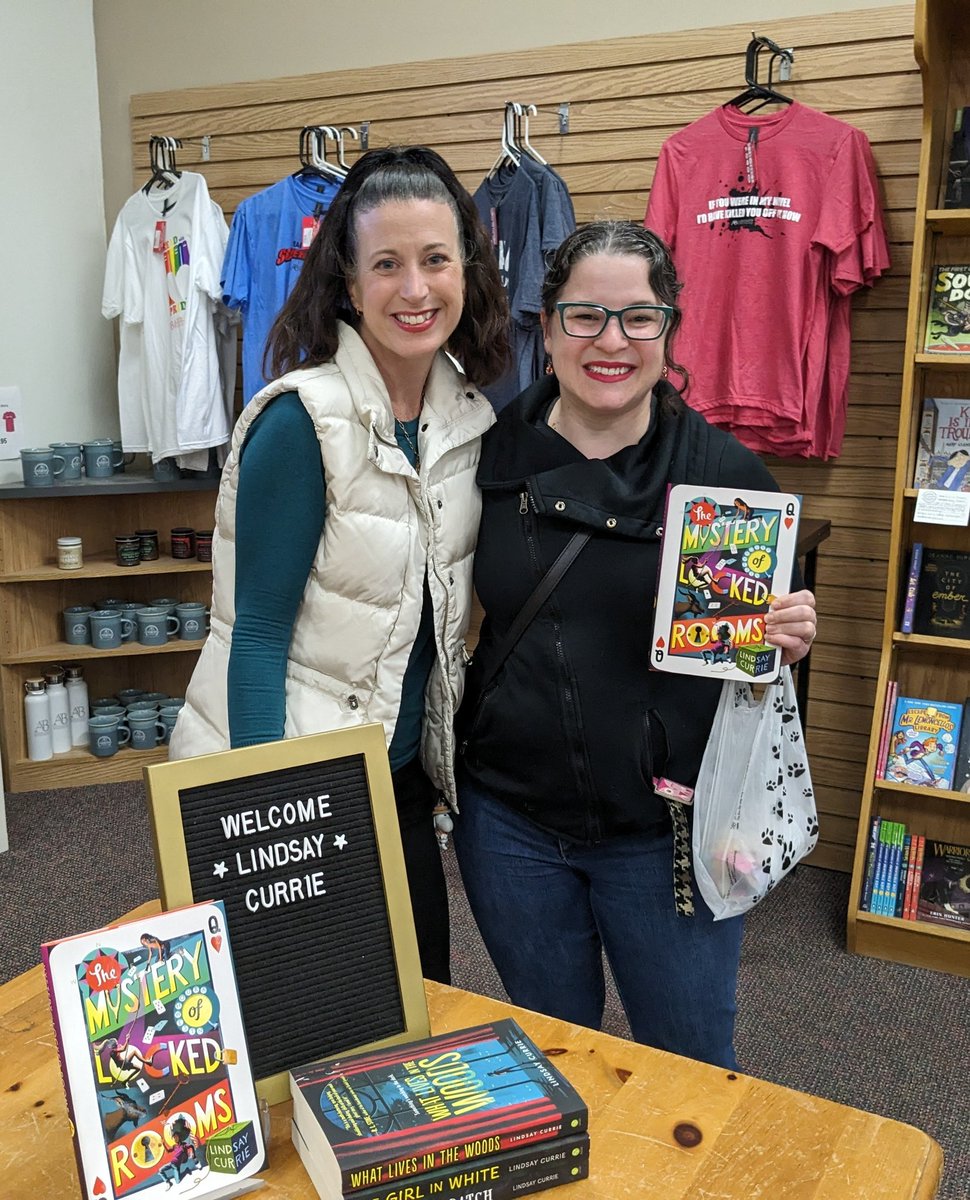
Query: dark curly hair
{"x": 305, "y": 331}
{"x": 620, "y": 238}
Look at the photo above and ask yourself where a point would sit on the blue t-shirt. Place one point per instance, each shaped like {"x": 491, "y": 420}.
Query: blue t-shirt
{"x": 264, "y": 257}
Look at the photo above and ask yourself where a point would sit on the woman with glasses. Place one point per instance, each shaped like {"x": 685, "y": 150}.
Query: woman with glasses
{"x": 566, "y": 848}
{"x": 348, "y": 510}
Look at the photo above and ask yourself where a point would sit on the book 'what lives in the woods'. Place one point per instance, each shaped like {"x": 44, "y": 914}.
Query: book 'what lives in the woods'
{"x": 154, "y": 1058}
{"x": 453, "y": 1099}
{"x": 725, "y": 555}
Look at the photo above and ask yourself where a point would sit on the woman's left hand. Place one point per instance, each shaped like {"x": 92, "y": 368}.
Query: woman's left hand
{"x": 790, "y": 624}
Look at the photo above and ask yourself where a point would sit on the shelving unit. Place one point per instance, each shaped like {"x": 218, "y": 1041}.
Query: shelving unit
{"x": 931, "y": 667}
{"x": 34, "y": 592}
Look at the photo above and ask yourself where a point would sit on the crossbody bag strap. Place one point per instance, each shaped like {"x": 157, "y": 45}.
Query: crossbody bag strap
{"x": 542, "y": 592}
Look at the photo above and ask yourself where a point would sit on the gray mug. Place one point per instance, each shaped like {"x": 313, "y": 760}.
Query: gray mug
{"x": 146, "y": 730}
{"x": 77, "y": 629}
{"x": 100, "y": 459}
{"x": 168, "y": 715}
{"x": 111, "y": 603}
{"x": 155, "y": 626}
{"x": 71, "y": 453}
{"x": 166, "y": 470}
{"x": 109, "y": 629}
{"x": 156, "y": 697}
{"x": 105, "y": 735}
{"x": 40, "y": 467}
{"x": 195, "y": 620}
{"x": 116, "y": 711}
{"x": 126, "y": 459}
{"x": 130, "y": 695}
{"x": 142, "y": 706}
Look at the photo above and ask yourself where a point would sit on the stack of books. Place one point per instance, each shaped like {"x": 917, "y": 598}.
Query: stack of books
{"x": 916, "y": 878}
{"x": 477, "y": 1111}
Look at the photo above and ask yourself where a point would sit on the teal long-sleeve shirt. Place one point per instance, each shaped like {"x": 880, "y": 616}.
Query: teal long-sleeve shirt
{"x": 280, "y": 514}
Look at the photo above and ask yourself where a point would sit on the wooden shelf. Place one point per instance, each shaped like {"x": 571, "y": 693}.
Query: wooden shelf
{"x": 951, "y": 222}
{"x": 957, "y": 361}
{"x": 928, "y": 642}
{"x": 951, "y": 933}
{"x": 79, "y": 767}
{"x": 913, "y": 789}
{"x": 61, "y": 651}
{"x": 96, "y": 567}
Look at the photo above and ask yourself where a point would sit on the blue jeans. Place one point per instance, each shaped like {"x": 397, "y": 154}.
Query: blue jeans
{"x": 548, "y": 907}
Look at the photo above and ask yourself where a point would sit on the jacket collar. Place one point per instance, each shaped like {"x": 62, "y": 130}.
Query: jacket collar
{"x": 623, "y": 494}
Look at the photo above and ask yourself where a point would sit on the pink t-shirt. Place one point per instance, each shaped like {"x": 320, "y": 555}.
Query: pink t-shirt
{"x": 773, "y": 220}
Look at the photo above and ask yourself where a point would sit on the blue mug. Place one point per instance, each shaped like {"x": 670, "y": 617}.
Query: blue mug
{"x": 39, "y": 466}
{"x": 71, "y": 453}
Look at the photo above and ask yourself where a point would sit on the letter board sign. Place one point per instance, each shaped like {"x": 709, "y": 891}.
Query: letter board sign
{"x": 300, "y": 840}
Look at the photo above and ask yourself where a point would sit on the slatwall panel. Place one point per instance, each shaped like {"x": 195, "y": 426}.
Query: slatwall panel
{"x": 625, "y": 97}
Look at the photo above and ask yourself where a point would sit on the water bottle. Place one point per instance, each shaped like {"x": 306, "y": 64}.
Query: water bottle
{"x": 77, "y": 699}
{"x": 37, "y": 714}
{"x": 60, "y": 710}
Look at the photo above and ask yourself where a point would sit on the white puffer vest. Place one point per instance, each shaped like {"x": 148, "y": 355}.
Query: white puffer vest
{"x": 385, "y": 527}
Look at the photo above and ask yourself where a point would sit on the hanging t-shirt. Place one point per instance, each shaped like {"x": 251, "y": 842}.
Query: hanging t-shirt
{"x": 757, "y": 210}
{"x": 162, "y": 279}
{"x": 270, "y": 235}
{"x": 508, "y": 203}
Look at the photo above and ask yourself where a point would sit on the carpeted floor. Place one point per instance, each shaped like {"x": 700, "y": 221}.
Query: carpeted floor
{"x": 870, "y": 1034}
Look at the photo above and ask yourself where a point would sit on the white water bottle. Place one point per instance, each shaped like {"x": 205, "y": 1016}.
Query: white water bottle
{"x": 37, "y": 714}
{"x": 60, "y": 710}
{"x": 77, "y": 699}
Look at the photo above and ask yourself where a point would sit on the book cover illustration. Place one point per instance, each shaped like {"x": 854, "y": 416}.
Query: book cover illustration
{"x": 956, "y": 191}
{"x": 943, "y": 452}
{"x": 923, "y": 742}
{"x": 943, "y": 594}
{"x": 948, "y": 315}
{"x": 944, "y": 889}
{"x": 408, "y": 1109}
{"x": 154, "y": 1056}
{"x": 724, "y": 557}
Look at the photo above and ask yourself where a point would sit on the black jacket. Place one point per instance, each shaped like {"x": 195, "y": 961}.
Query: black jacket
{"x": 574, "y": 725}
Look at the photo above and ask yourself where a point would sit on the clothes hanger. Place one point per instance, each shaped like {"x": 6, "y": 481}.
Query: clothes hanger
{"x": 161, "y": 153}
{"x": 313, "y": 161}
{"x": 349, "y": 129}
{"x": 510, "y": 155}
{"x": 763, "y": 93}
{"x": 523, "y": 112}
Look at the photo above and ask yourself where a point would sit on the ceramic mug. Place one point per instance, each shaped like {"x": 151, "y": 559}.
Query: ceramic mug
{"x": 195, "y": 620}
{"x": 155, "y": 626}
{"x": 39, "y": 466}
{"x": 77, "y": 628}
{"x": 109, "y": 629}
{"x": 105, "y": 735}
{"x": 146, "y": 730}
{"x": 130, "y": 695}
{"x": 71, "y": 453}
{"x": 100, "y": 458}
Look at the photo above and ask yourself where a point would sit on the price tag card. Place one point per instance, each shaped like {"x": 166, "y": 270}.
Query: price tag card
{"x": 935, "y": 507}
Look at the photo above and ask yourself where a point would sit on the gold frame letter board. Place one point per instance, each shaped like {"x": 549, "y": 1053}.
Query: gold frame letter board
{"x": 300, "y": 840}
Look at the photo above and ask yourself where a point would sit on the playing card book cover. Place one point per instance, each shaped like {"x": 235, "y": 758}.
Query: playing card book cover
{"x": 725, "y": 554}
{"x": 154, "y": 1059}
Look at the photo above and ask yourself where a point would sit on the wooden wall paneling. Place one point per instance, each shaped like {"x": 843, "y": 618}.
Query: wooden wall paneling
{"x": 625, "y": 96}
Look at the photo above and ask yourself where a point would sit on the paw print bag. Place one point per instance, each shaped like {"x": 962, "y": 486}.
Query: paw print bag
{"x": 754, "y": 805}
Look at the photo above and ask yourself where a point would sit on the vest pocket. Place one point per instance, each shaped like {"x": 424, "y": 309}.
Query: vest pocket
{"x": 654, "y": 746}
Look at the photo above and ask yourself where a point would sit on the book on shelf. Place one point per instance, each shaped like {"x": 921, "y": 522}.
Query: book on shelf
{"x": 961, "y": 772}
{"x": 900, "y": 878}
{"x": 912, "y": 587}
{"x": 923, "y": 740}
{"x": 501, "y": 1176}
{"x": 870, "y": 872}
{"x": 956, "y": 185}
{"x": 948, "y": 314}
{"x": 889, "y": 707}
{"x": 944, "y": 890}
{"x": 943, "y": 447}
{"x": 943, "y": 595}
{"x": 153, "y": 1054}
{"x": 724, "y": 556}
{"x": 386, "y": 1115}
{"x": 917, "y": 876}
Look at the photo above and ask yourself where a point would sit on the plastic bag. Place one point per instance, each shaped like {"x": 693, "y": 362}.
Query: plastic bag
{"x": 754, "y": 805}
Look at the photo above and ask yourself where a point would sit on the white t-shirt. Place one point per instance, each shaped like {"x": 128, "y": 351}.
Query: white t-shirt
{"x": 162, "y": 279}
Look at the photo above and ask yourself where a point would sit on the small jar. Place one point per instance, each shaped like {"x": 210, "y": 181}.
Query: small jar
{"x": 148, "y": 547}
{"x": 183, "y": 542}
{"x": 70, "y": 553}
{"x": 203, "y": 545}
{"x": 128, "y": 550}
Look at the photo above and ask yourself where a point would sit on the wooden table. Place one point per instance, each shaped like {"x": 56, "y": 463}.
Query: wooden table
{"x": 661, "y": 1127}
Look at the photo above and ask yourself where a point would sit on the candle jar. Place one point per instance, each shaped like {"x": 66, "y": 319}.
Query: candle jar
{"x": 203, "y": 545}
{"x": 70, "y": 553}
{"x": 148, "y": 544}
{"x": 183, "y": 542}
{"x": 128, "y": 550}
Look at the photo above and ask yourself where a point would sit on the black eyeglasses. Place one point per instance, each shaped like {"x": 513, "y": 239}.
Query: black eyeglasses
{"x": 639, "y": 322}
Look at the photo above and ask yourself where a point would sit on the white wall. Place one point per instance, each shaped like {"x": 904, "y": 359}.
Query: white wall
{"x": 54, "y": 344}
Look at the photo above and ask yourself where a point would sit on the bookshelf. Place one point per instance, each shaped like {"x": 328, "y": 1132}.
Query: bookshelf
{"x": 34, "y": 591}
{"x": 930, "y": 667}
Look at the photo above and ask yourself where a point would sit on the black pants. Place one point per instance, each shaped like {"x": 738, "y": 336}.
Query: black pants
{"x": 415, "y": 796}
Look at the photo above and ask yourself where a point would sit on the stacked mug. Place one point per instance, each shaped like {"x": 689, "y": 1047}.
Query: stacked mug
{"x": 141, "y": 720}
{"x": 110, "y": 623}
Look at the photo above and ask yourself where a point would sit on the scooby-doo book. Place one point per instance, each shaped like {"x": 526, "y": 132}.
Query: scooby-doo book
{"x": 154, "y": 1057}
{"x": 725, "y": 555}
